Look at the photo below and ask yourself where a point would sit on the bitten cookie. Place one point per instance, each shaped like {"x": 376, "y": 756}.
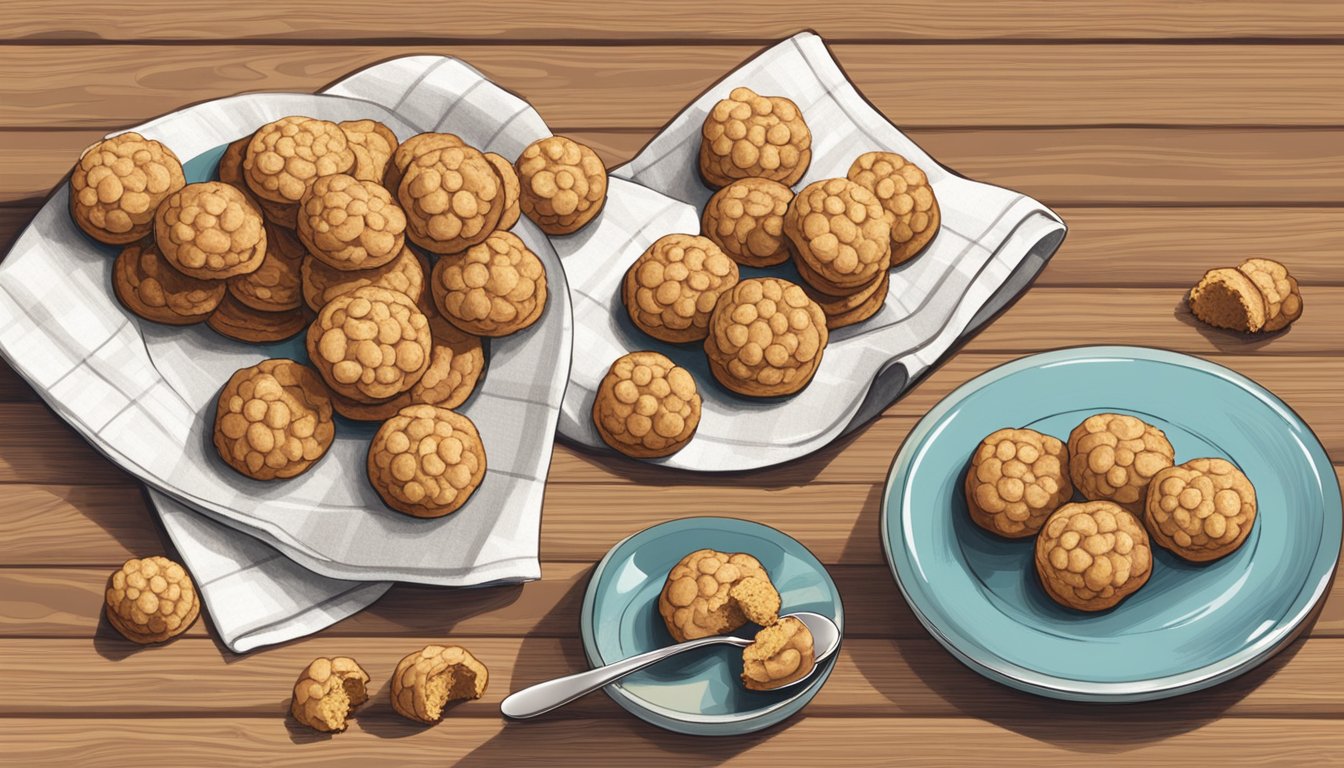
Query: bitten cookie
{"x": 907, "y": 200}
{"x": 748, "y": 135}
{"x": 150, "y": 600}
{"x": 496, "y": 288}
{"x": 235, "y": 320}
{"x": 710, "y": 593}
{"x": 766, "y": 338}
{"x": 1283, "y": 298}
{"x": 426, "y": 461}
{"x": 373, "y": 144}
{"x": 404, "y": 274}
{"x": 512, "y": 190}
{"x": 1228, "y": 298}
{"x": 275, "y": 286}
{"x": 350, "y": 224}
{"x": 563, "y": 184}
{"x": 148, "y": 286}
{"x": 429, "y": 678}
{"x": 210, "y": 231}
{"x": 1202, "y": 510}
{"x": 841, "y": 311}
{"x": 286, "y": 156}
{"x": 370, "y": 344}
{"x": 453, "y": 199}
{"x": 646, "y": 406}
{"x": 417, "y": 144}
{"x": 456, "y": 364}
{"x": 1113, "y": 457}
{"x": 118, "y": 183}
{"x": 841, "y": 238}
{"x": 746, "y": 220}
{"x": 780, "y": 654}
{"x": 328, "y": 691}
{"x": 1092, "y": 555}
{"x": 273, "y": 420}
{"x": 1016, "y": 478}
{"x": 671, "y": 289}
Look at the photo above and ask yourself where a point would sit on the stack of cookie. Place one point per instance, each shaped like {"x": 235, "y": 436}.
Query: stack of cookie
{"x": 1259, "y": 296}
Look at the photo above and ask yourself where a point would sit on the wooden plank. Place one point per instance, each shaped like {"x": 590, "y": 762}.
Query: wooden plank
{"x": 346, "y": 20}
{"x": 37, "y": 447}
{"x": 74, "y": 525}
{"x": 642, "y": 86}
{"x": 1063, "y": 739}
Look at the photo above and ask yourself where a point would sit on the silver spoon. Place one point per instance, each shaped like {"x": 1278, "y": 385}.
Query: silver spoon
{"x": 544, "y": 697}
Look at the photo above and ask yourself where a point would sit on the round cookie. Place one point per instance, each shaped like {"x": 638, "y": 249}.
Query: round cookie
{"x": 373, "y": 144}
{"x": 1228, "y": 298}
{"x": 275, "y": 286}
{"x": 236, "y": 320}
{"x": 231, "y": 173}
{"x": 646, "y": 406}
{"x": 766, "y": 338}
{"x": 150, "y": 600}
{"x": 429, "y": 678}
{"x": 1015, "y": 479}
{"x": 746, "y": 220}
{"x": 402, "y": 156}
{"x": 350, "y": 224}
{"x": 906, "y": 198}
{"x": 285, "y": 156}
{"x": 426, "y": 461}
{"x": 452, "y": 197}
{"x": 496, "y": 288}
{"x": 840, "y": 235}
{"x": 1092, "y": 555}
{"x": 563, "y": 184}
{"x": 1201, "y": 510}
{"x": 273, "y": 420}
{"x": 1113, "y": 457}
{"x": 748, "y": 135}
{"x": 327, "y": 691}
{"x": 117, "y": 185}
{"x": 710, "y": 593}
{"x": 404, "y": 274}
{"x": 671, "y": 289}
{"x": 841, "y": 311}
{"x": 148, "y": 286}
{"x": 780, "y": 654}
{"x": 370, "y": 344}
{"x": 211, "y": 231}
{"x": 1283, "y": 299}
{"x": 512, "y": 190}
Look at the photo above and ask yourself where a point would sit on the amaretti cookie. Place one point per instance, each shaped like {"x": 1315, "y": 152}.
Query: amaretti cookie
{"x": 235, "y": 320}
{"x": 907, "y": 200}
{"x": 147, "y": 285}
{"x": 210, "y": 230}
{"x": 117, "y": 185}
{"x": 646, "y": 406}
{"x": 671, "y": 289}
{"x": 496, "y": 288}
{"x": 405, "y": 274}
{"x": 1016, "y": 478}
{"x": 1201, "y": 510}
{"x": 150, "y": 600}
{"x": 865, "y": 302}
{"x": 840, "y": 235}
{"x": 766, "y": 338}
{"x": 1283, "y": 299}
{"x": 710, "y": 593}
{"x": 749, "y": 135}
{"x": 1113, "y": 457}
{"x": 406, "y": 152}
{"x": 1092, "y": 555}
{"x": 426, "y": 461}
{"x": 273, "y": 420}
{"x": 429, "y": 678}
{"x": 780, "y": 654}
{"x": 327, "y": 692}
{"x": 563, "y": 184}
{"x": 276, "y": 285}
{"x": 746, "y": 220}
{"x": 453, "y": 199}
{"x": 370, "y": 344}
{"x": 1228, "y": 298}
{"x": 350, "y": 224}
{"x": 373, "y": 144}
{"x": 284, "y": 157}
{"x": 512, "y": 190}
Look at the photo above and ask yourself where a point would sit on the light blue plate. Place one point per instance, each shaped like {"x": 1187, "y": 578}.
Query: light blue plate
{"x": 1191, "y": 626}
{"x": 701, "y": 692}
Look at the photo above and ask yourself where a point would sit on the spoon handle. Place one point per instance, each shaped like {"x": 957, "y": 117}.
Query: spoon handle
{"x": 543, "y": 697}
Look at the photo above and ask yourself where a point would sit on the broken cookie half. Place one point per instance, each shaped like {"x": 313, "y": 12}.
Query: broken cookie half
{"x": 327, "y": 691}
{"x": 781, "y": 653}
{"x": 425, "y": 681}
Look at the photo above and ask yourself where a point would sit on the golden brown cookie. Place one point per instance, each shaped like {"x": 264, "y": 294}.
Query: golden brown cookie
{"x": 404, "y": 274}
{"x": 1016, "y": 478}
{"x": 646, "y": 406}
{"x": 429, "y": 678}
{"x": 840, "y": 235}
{"x": 1202, "y": 510}
{"x": 417, "y": 144}
{"x": 748, "y": 135}
{"x": 235, "y": 320}
{"x": 906, "y": 198}
{"x": 328, "y": 691}
{"x": 148, "y": 286}
{"x": 210, "y": 230}
{"x": 273, "y": 420}
{"x": 453, "y": 199}
{"x": 350, "y": 224}
{"x": 118, "y": 183}
{"x": 1092, "y": 555}
{"x": 780, "y": 654}
{"x": 494, "y": 289}
{"x": 150, "y": 600}
{"x": 711, "y": 593}
{"x": 766, "y": 338}
{"x": 285, "y": 156}
{"x": 671, "y": 289}
{"x": 563, "y": 184}
{"x": 231, "y": 169}
{"x": 426, "y": 461}
{"x": 512, "y": 190}
{"x": 370, "y": 344}
{"x": 746, "y": 220}
{"x": 841, "y": 311}
{"x": 373, "y": 144}
{"x": 1283, "y": 298}
{"x": 1228, "y": 298}
{"x": 1113, "y": 457}
{"x": 275, "y": 286}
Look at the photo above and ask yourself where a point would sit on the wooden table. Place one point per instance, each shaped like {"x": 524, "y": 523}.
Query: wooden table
{"x": 1172, "y": 138}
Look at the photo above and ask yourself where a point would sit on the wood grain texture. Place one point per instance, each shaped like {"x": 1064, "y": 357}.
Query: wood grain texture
{"x": 642, "y": 86}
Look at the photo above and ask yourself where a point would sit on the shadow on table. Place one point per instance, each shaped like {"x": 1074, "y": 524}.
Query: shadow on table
{"x": 1224, "y": 340}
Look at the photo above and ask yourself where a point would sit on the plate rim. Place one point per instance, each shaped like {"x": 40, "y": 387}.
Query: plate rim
{"x": 1053, "y": 686}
